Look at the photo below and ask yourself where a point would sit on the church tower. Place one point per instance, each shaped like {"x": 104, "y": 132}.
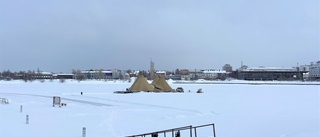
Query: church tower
{"x": 151, "y": 70}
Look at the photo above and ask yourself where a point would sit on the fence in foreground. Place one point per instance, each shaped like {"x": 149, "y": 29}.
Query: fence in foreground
{"x": 176, "y": 132}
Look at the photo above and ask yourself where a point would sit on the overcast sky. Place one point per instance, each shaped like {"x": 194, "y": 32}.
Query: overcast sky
{"x": 59, "y": 36}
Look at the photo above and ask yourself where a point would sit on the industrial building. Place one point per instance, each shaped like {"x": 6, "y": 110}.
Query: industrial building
{"x": 314, "y": 70}
{"x": 271, "y": 73}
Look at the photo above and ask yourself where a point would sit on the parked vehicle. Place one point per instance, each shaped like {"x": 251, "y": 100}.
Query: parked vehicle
{"x": 179, "y": 89}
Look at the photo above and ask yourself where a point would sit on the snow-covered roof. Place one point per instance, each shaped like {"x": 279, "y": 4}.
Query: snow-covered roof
{"x": 95, "y": 71}
{"x": 44, "y": 73}
{"x": 315, "y": 63}
{"x": 161, "y": 71}
{"x": 214, "y": 71}
{"x": 136, "y": 72}
{"x": 261, "y": 68}
{"x": 64, "y": 74}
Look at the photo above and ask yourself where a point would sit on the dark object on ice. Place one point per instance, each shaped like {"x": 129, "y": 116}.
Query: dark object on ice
{"x": 81, "y": 93}
{"x": 63, "y": 104}
{"x": 179, "y": 89}
{"x": 199, "y": 90}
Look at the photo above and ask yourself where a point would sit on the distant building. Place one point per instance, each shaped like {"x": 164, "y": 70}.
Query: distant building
{"x": 185, "y": 77}
{"x": 212, "y": 74}
{"x": 161, "y": 73}
{"x": 43, "y": 75}
{"x": 208, "y": 74}
{"x": 63, "y": 76}
{"x": 227, "y": 68}
{"x": 99, "y": 74}
{"x": 134, "y": 73}
{"x": 184, "y": 72}
{"x": 305, "y": 68}
{"x": 314, "y": 70}
{"x": 196, "y": 74}
{"x": 244, "y": 67}
{"x": 270, "y": 73}
{"x": 114, "y": 74}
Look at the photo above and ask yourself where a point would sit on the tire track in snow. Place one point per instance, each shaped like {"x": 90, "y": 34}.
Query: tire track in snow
{"x": 113, "y": 100}
{"x": 112, "y": 124}
{"x": 148, "y": 105}
{"x": 69, "y": 99}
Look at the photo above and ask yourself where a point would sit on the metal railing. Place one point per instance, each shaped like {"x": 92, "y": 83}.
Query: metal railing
{"x": 175, "y": 132}
{"x": 213, "y": 129}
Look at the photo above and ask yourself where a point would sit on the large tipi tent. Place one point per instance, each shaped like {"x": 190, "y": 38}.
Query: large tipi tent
{"x": 141, "y": 84}
{"x": 156, "y": 78}
{"x": 160, "y": 84}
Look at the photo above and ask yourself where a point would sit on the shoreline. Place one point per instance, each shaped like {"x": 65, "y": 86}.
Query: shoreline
{"x": 249, "y": 82}
{"x": 174, "y": 82}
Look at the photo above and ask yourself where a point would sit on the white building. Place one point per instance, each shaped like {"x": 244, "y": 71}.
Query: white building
{"x": 161, "y": 73}
{"x": 314, "y": 70}
{"x": 97, "y": 74}
{"x": 43, "y": 75}
{"x": 213, "y": 74}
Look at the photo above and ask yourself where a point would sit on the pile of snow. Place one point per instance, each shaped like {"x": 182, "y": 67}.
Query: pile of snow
{"x": 170, "y": 81}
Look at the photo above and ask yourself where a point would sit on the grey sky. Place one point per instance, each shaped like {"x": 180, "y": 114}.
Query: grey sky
{"x": 63, "y": 35}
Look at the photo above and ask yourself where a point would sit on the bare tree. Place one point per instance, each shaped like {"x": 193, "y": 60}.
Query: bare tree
{"x": 79, "y": 76}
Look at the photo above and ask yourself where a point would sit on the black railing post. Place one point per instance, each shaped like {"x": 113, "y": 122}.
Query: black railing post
{"x": 195, "y": 132}
{"x": 214, "y": 130}
{"x": 190, "y": 130}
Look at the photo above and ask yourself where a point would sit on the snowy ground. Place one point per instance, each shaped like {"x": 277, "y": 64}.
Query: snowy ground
{"x": 238, "y": 110}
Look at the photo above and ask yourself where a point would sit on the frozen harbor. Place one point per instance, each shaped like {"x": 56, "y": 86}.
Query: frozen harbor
{"x": 236, "y": 109}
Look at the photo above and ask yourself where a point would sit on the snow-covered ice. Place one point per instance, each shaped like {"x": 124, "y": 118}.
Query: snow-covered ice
{"x": 236, "y": 109}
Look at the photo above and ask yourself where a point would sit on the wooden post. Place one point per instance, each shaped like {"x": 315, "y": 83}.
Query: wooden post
{"x": 27, "y": 119}
{"x": 21, "y": 109}
{"x": 83, "y": 132}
